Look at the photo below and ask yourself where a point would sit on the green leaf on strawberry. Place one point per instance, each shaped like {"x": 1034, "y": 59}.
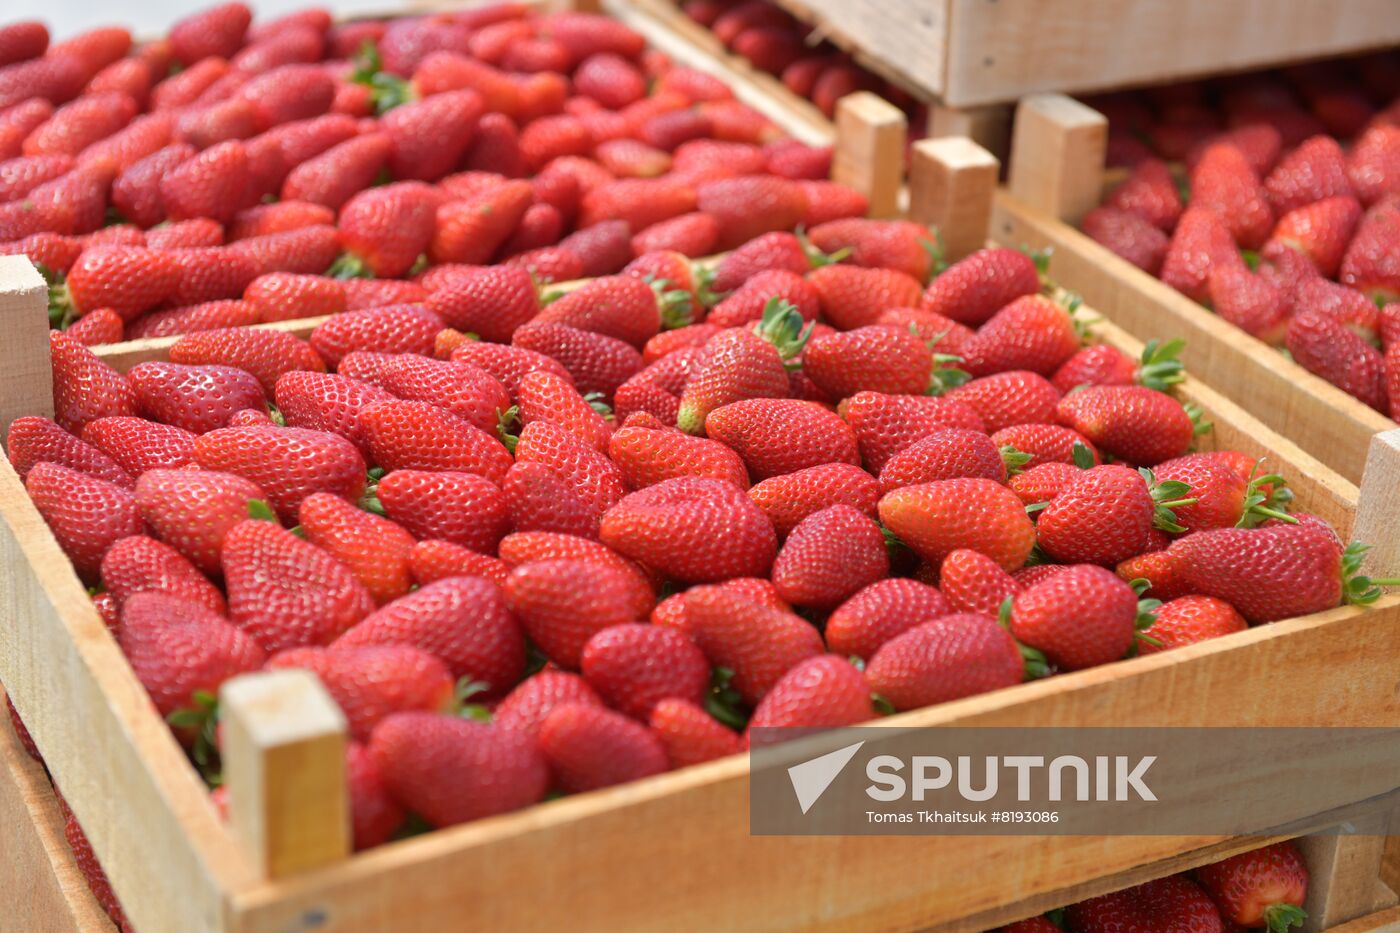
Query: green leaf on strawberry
{"x": 1161, "y": 364}
{"x": 1357, "y": 589}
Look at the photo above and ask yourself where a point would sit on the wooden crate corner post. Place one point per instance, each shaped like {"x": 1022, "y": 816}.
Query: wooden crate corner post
{"x": 1378, "y": 507}
{"x": 284, "y": 745}
{"x": 1058, "y": 147}
{"x": 27, "y": 377}
{"x": 869, "y": 156}
{"x": 1344, "y": 871}
{"x": 989, "y": 126}
{"x": 952, "y": 183}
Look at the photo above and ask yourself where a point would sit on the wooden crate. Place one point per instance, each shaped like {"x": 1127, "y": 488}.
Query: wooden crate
{"x": 1056, "y": 177}
{"x": 672, "y": 850}
{"x": 966, "y": 53}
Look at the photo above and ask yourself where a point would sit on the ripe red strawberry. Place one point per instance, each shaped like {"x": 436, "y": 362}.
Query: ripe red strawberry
{"x": 540, "y": 499}
{"x": 791, "y": 497}
{"x": 640, "y": 202}
{"x": 1370, "y": 264}
{"x": 524, "y": 710}
{"x": 589, "y": 747}
{"x": 288, "y": 93}
{"x": 1323, "y": 345}
{"x": 820, "y": 693}
{"x": 289, "y": 464}
{"x": 136, "y": 192}
{"x": 634, "y": 667}
{"x": 647, "y": 456}
{"x": 666, "y": 343}
{"x": 1224, "y": 182}
{"x": 211, "y": 315}
{"x": 185, "y": 87}
{"x": 432, "y": 561}
{"x": 384, "y": 230}
{"x": 325, "y": 402}
{"x": 463, "y": 620}
{"x": 278, "y": 217}
{"x": 972, "y": 582}
{"x": 375, "y": 815}
{"x": 1262, "y": 887}
{"x": 845, "y": 363}
{"x": 950, "y": 657}
{"x": 1128, "y": 236}
{"x": 596, "y": 362}
{"x": 620, "y": 306}
{"x": 285, "y": 296}
{"x": 601, "y": 249}
{"x": 101, "y": 326}
{"x": 671, "y": 527}
{"x": 84, "y": 387}
{"x": 178, "y": 649}
{"x": 1315, "y": 170}
{"x": 508, "y": 364}
{"x": 1150, "y": 192}
{"x": 559, "y": 615}
{"x": 829, "y": 556}
{"x": 1081, "y": 617}
{"x": 460, "y": 508}
{"x": 450, "y": 770}
{"x": 95, "y": 49}
{"x": 1250, "y": 302}
{"x": 372, "y": 682}
{"x": 521, "y": 548}
{"x": 186, "y": 234}
{"x": 138, "y": 445}
{"x": 332, "y": 177}
{"x": 751, "y": 205}
{"x": 854, "y": 297}
{"x": 471, "y": 230}
{"x": 375, "y": 549}
{"x": 415, "y": 435}
{"x": 22, "y": 41}
{"x": 20, "y": 176}
{"x": 34, "y": 440}
{"x": 212, "y": 184}
{"x": 771, "y": 251}
{"x": 879, "y": 612}
{"x": 547, "y": 396}
{"x": 1200, "y": 244}
{"x": 1105, "y": 365}
{"x": 1320, "y": 229}
{"x": 693, "y": 235}
{"x": 741, "y": 364}
{"x": 944, "y": 454}
{"x": 491, "y": 302}
{"x": 192, "y": 510}
{"x": 430, "y": 136}
{"x": 777, "y": 436}
{"x": 977, "y": 287}
{"x": 1188, "y": 620}
{"x": 935, "y": 519}
{"x": 52, "y": 251}
{"x": 1373, "y": 164}
{"x": 404, "y": 328}
{"x": 1010, "y": 398}
{"x": 466, "y": 391}
{"x": 1106, "y": 513}
{"x": 886, "y": 424}
{"x": 86, "y": 514}
{"x": 879, "y": 244}
{"x": 125, "y": 279}
{"x": 586, "y": 470}
{"x": 757, "y": 642}
{"x": 1347, "y": 306}
{"x": 1134, "y": 423}
{"x": 1046, "y": 443}
{"x": 1032, "y": 333}
{"x": 1040, "y": 484}
{"x": 1173, "y": 904}
{"x": 54, "y": 78}
{"x": 196, "y": 398}
{"x": 285, "y": 592}
{"x": 215, "y": 31}
{"x": 690, "y": 735}
{"x": 748, "y": 303}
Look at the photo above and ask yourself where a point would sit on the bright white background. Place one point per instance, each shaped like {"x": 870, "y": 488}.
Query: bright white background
{"x": 152, "y": 17}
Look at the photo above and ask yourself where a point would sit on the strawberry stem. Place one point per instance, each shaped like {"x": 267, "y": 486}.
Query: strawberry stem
{"x": 349, "y": 266}
{"x": 784, "y": 328}
{"x": 1014, "y": 459}
{"x": 1279, "y": 917}
{"x": 505, "y": 422}
{"x": 1161, "y": 366}
{"x": 723, "y": 701}
{"x": 1358, "y": 589}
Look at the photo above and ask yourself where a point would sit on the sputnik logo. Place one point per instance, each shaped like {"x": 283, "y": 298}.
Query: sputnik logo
{"x": 811, "y": 778}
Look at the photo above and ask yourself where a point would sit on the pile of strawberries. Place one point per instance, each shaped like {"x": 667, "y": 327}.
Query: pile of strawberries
{"x": 1275, "y": 225}
{"x": 235, "y": 174}
{"x": 773, "y": 40}
{"x": 1261, "y": 889}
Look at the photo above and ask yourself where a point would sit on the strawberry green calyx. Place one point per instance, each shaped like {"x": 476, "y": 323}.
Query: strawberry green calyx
{"x": 893, "y": 546}
{"x": 387, "y": 91}
{"x": 784, "y": 328}
{"x": 816, "y": 257}
{"x": 937, "y": 254}
{"x": 882, "y": 705}
{"x": 1146, "y": 613}
{"x": 945, "y": 374}
{"x": 1083, "y": 457}
{"x": 462, "y": 692}
{"x": 1014, "y": 459}
{"x": 1197, "y": 415}
{"x": 1358, "y": 589}
{"x": 259, "y": 510}
{"x": 62, "y": 312}
{"x": 724, "y": 702}
{"x": 505, "y": 426}
{"x": 704, "y": 286}
{"x": 1161, "y": 364}
{"x": 275, "y": 414}
{"x": 1037, "y": 664}
{"x": 1259, "y": 505}
{"x": 201, "y": 720}
{"x": 1165, "y": 497}
{"x": 349, "y": 266}
{"x": 1278, "y": 918}
{"x": 676, "y": 305}
{"x": 367, "y": 62}
{"x": 595, "y": 402}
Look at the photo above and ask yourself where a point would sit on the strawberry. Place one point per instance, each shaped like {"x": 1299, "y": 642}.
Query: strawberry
{"x": 34, "y": 440}
{"x": 1273, "y": 572}
{"x": 630, "y": 158}
{"x": 669, "y": 527}
{"x": 463, "y": 620}
{"x": 1370, "y": 265}
{"x": 1188, "y": 620}
{"x": 186, "y": 234}
{"x": 507, "y": 364}
{"x": 125, "y": 279}
{"x": 384, "y": 230}
{"x": 1315, "y": 170}
{"x": 290, "y": 464}
{"x": 1008, "y": 399}
{"x": 602, "y": 249}
{"x": 791, "y": 159}
{"x": 1373, "y": 164}
{"x": 284, "y": 296}
{"x": 1105, "y": 515}
{"x": 20, "y": 176}
{"x": 450, "y": 770}
{"x": 86, "y": 514}
{"x": 740, "y": 364}
{"x": 1200, "y": 244}
{"x": 589, "y": 747}
{"x": 595, "y": 362}
{"x": 757, "y": 642}
{"x": 492, "y": 302}
{"x": 22, "y": 41}
{"x": 527, "y": 706}
{"x": 1324, "y": 346}
{"x": 1081, "y": 617}
{"x": 540, "y": 499}
{"x": 820, "y": 693}
{"x": 944, "y": 454}
{"x": 1262, "y": 887}
{"x": 771, "y": 251}
{"x": 54, "y": 78}
{"x": 584, "y": 468}
{"x": 1345, "y": 305}
{"x": 854, "y": 297}
{"x": 634, "y": 667}
{"x": 641, "y": 202}
{"x": 935, "y": 519}
{"x": 278, "y": 217}
{"x": 689, "y": 337}
{"x": 84, "y": 387}
{"x": 620, "y": 306}
{"x": 466, "y": 391}
{"x": 1224, "y": 182}
{"x": 430, "y": 136}
{"x": 375, "y": 816}
{"x": 192, "y": 510}
{"x": 1134, "y": 423}
{"x": 416, "y": 435}
{"x": 289, "y": 93}
{"x": 51, "y": 251}
{"x": 749, "y": 206}
{"x": 332, "y": 177}
{"x": 212, "y": 273}
{"x": 1250, "y": 302}
{"x": 138, "y": 445}
{"x": 1174, "y": 904}
{"x": 789, "y": 498}
{"x": 840, "y": 364}
{"x": 747, "y": 304}
{"x": 558, "y": 615}
{"x": 1150, "y": 192}
{"x": 471, "y": 230}
{"x": 364, "y": 294}
{"x": 690, "y": 735}
{"x": 828, "y": 201}
{"x": 879, "y": 612}
{"x": 325, "y": 402}
{"x": 95, "y": 49}
{"x": 1321, "y": 229}
{"x": 178, "y": 649}
{"x": 460, "y": 508}
{"x": 212, "y": 184}
{"x": 185, "y": 87}
{"x": 1162, "y": 569}
{"x": 521, "y": 548}
{"x": 136, "y": 193}
{"x": 950, "y": 657}
{"x": 878, "y": 244}
{"x": 777, "y": 436}
{"x": 647, "y": 456}
{"x": 1046, "y": 443}
{"x": 1032, "y": 333}
{"x": 972, "y": 582}
{"x": 138, "y": 564}
{"x": 407, "y": 328}
{"x": 829, "y": 556}
{"x": 546, "y": 396}
{"x": 693, "y": 235}
{"x": 375, "y": 549}
{"x": 1128, "y": 236}
{"x": 215, "y": 31}
{"x": 432, "y": 561}
{"x": 886, "y": 424}
{"x": 977, "y": 287}
{"x": 196, "y": 398}
{"x": 1041, "y": 484}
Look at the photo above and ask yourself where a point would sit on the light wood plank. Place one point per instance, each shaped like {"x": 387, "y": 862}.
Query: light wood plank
{"x": 1058, "y": 147}
{"x": 26, "y": 377}
{"x": 1344, "y": 870}
{"x": 41, "y": 887}
{"x": 952, "y": 183}
{"x": 869, "y": 156}
{"x": 284, "y": 744}
{"x": 1376, "y": 523}
{"x": 1386, "y": 921}
{"x": 989, "y": 127}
